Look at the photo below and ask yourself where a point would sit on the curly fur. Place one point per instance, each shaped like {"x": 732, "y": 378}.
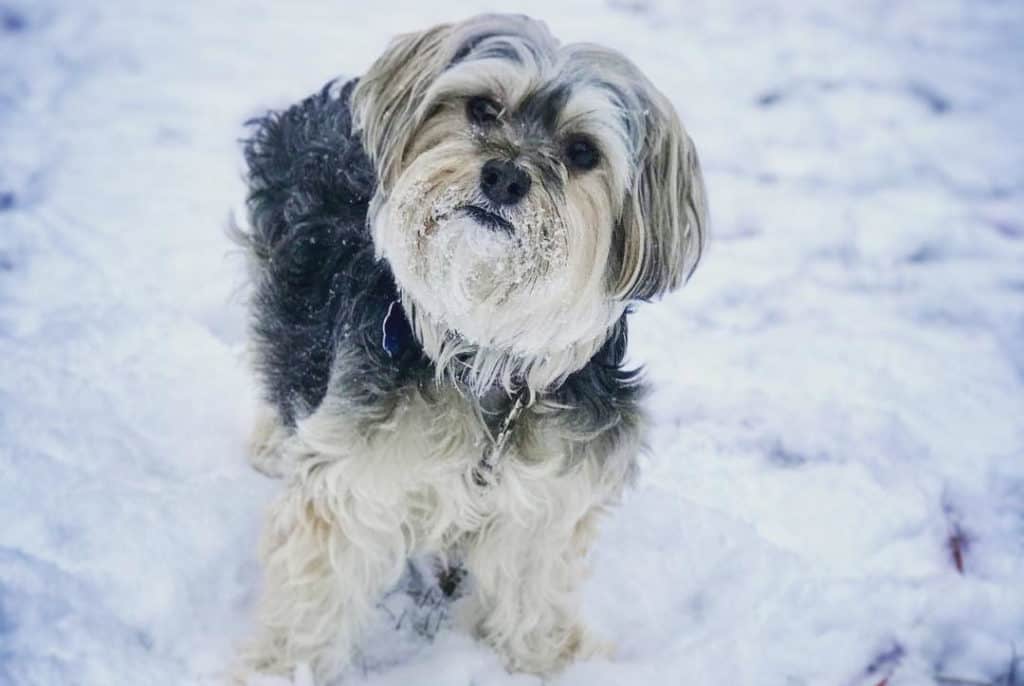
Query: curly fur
{"x": 378, "y": 411}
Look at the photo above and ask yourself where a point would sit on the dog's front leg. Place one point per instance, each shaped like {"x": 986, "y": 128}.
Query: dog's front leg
{"x": 525, "y": 597}
{"x": 331, "y": 546}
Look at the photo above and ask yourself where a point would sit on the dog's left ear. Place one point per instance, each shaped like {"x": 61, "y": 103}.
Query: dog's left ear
{"x": 385, "y": 103}
{"x": 662, "y": 227}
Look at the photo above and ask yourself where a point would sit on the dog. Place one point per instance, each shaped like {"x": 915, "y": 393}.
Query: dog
{"x": 443, "y": 254}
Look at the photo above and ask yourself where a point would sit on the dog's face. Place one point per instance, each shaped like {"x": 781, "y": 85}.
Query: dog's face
{"x": 527, "y": 192}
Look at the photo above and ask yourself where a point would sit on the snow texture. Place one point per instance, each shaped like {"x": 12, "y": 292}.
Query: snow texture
{"x": 839, "y": 391}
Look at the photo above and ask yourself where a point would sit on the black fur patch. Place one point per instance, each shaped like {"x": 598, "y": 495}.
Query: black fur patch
{"x": 544, "y": 106}
{"x": 603, "y": 398}
{"x": 321, "y": 291}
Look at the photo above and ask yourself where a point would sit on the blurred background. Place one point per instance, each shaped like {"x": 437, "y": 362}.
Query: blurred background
{"x": 834, "y": 492}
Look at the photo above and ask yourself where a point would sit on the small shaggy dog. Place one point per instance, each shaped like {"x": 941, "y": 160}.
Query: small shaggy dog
{"x": 444, "y": 253}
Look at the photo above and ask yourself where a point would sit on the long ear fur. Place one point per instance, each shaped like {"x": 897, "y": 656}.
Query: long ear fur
{"x": 386, "y": 101}
{"x": 664, "y": 216}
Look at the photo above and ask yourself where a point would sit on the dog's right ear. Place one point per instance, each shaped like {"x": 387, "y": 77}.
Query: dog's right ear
{"x": 386, "y": 102}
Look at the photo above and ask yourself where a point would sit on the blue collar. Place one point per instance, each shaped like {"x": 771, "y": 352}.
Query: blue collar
{"x": 395, "y": 330}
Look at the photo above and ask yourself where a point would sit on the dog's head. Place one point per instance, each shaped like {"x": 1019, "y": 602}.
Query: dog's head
{"x": 527, "y": 192}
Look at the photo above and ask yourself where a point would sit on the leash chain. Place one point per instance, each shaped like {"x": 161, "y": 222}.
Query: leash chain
{"x": 484, "y": 471}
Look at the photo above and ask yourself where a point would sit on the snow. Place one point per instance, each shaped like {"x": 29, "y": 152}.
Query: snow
{"x": 839, "y": 391}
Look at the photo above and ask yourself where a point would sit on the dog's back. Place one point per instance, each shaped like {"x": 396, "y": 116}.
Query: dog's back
{"x": 315, "y": 275}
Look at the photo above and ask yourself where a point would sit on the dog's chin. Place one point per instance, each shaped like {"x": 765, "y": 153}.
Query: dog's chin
{"x": 471, "y": 269}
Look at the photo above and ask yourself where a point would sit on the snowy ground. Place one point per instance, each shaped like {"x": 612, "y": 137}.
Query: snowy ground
{"x": 840, "y": 390}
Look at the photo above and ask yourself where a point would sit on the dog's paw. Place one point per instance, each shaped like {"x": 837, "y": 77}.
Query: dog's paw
{"x": 577, "y": 646}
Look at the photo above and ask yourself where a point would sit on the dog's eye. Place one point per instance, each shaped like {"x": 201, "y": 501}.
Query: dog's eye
{"x": 482, "y": 111}
{"x": 581, "y": 154}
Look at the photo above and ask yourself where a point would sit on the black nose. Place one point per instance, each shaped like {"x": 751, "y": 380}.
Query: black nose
{"x": 503, "y": 182}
